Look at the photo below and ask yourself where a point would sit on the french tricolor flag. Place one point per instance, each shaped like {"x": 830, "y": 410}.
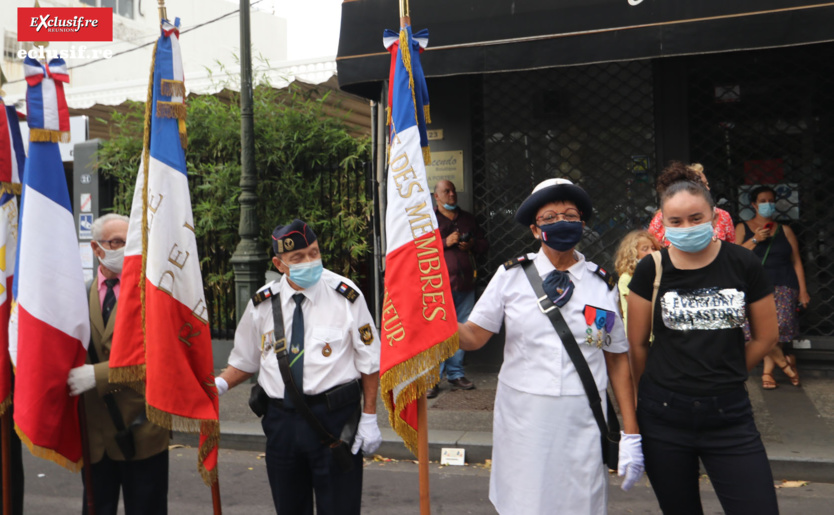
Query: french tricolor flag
{"x": 50, "y": 325}
{"x": 162, "y": 338}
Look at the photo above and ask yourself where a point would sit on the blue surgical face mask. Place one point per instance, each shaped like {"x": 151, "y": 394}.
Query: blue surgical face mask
{"x": 562, "y": 235}
{"x": 690, "y": 239}
{"x": 450, "y": 207}
{"x": 766, "y": 209}
{"x": 306, "y": 274}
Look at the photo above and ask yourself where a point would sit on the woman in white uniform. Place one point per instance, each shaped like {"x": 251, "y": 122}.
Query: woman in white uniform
{"x": 547, "y": 456}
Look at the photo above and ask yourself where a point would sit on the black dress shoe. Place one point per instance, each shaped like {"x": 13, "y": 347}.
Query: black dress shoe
{"x": 433, "y": 392}
{"x": 462, "y": 383}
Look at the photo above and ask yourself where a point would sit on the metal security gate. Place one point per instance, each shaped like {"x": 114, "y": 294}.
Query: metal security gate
{"x": 591, "y": 124}
{"x": 767, "y": 117}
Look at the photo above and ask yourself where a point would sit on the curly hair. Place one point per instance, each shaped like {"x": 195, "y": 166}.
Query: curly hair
{"x": 626, "y": 258}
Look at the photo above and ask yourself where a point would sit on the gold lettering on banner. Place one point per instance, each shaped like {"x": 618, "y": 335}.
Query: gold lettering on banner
{"x": 175, "y": 255}
{"x": 419, "y": 219}
{"x": 158, "y": 199}
{"x": 187, "y": 332}
{"x": 391, "y": 323}
{"x": 199, "y": 311}
{"x": 428, "y": 261}
{"x": 167, "y": 288}
{"x": 187, "y": 226}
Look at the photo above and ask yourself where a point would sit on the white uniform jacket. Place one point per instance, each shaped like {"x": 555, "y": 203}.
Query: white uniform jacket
{"x": 535, "y": 360}
{"x": 340, "y": 339}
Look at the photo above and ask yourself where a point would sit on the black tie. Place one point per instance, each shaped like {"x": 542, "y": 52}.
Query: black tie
{"x": 297, "y": 347}
{"x": 109, "y": 299}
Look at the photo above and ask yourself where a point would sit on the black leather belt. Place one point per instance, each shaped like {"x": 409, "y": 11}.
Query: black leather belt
{"x": 335, "y": 398}
{"x": 311, "y": 400}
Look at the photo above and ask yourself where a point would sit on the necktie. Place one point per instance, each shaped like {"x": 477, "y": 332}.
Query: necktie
{"x": 297, "y": 348}
{"x": 109, "y": 299}
{"x": 558, "y": 287}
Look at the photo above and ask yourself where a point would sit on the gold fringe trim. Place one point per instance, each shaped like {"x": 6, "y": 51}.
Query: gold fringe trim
{"x": 170, "y": 109}
{"x": 427, "y": 114}
{"x": 407, "y": 63}
{"x": 133, "y": 377}
{"x": 209, "y": 428}
{"x": 49, "y": 136}
{"x": 172, "y": 88}
{"x": 13, "y": 188}
{"x": 388, "y": 116}
{"x": 5, "y": 405}
{"x": 183, "y": 133}
{"x": 414, "y": 368}
{"x": 48, "y": 454}
{"x": 427, "y": 156}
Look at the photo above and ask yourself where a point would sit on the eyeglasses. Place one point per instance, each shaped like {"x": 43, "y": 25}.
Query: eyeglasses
{"x": 114, "y": 244}
{"x": 549, "y": 217}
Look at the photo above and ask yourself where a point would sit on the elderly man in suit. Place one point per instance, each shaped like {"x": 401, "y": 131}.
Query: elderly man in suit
{"x": 127, "y": 452}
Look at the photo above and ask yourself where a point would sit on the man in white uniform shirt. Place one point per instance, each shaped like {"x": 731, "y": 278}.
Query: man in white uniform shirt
{"x": 547, "y": 456}
{"x": 331, "y": 350}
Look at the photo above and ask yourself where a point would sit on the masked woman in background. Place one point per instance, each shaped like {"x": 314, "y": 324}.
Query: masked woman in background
{"x": 776, "y": 246}
{"x": 691, "y": 400}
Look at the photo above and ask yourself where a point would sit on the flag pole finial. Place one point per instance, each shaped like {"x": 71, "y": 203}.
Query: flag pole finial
{"x": 405, "y": 13}
{"x": 163, "y": 14}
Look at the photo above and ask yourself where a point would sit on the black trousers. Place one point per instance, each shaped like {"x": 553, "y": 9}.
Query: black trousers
{"x": 16, "y": 456}
{"x": 299, "y": 466}
{"x": 144, "y": 482}
{"x": 678, "y": 430}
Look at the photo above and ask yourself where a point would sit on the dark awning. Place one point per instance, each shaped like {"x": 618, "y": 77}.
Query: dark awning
{"x": 483, "y": 36}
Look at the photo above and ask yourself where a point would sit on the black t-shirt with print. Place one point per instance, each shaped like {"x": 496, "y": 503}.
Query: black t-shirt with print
{"x": 698, "y": 345}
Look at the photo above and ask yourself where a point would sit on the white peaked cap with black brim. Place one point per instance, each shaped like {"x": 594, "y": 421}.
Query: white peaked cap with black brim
{"x": 553, "y": 190}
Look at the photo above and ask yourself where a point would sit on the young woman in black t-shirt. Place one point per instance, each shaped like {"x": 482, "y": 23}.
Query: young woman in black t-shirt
{"x": 692, "y": 402}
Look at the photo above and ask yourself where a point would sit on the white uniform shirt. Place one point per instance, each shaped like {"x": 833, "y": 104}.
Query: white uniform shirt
{"x": 330, "y": 321}
{"x": 535, "y": 360}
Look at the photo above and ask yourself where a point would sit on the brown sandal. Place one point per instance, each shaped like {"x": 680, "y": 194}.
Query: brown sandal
{"x": 788, "y": 369}
{"x": 768, "y": 383}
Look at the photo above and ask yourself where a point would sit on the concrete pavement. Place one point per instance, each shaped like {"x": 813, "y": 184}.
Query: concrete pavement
{"x": 797, "y": 424}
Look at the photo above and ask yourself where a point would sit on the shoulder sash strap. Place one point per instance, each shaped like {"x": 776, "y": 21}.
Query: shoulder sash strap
{"x": 299, "y": 403}
{"x": 658, "y": 272}
{"x": 612, "y": 428}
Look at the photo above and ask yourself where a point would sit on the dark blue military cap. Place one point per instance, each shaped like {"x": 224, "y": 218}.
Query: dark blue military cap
{"x": 552, "y": 190}
{"x": 293, "y": 236}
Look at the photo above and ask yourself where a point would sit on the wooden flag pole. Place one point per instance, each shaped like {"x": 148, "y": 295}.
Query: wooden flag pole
{"x": 422, "y": 402}
{"x": 423, "y": 453}
{"x": 7, "y": 461}
{"x": 85, "y": 453}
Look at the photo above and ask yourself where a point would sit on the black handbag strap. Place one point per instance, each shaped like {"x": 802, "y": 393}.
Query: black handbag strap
{"x": 547, "y": 307}
{"x": 299, "y": 403}
{"x": 109, "y": 400}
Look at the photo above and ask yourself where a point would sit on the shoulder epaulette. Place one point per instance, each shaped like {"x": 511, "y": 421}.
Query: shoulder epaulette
{"x": 345, "y": 290}
{"x": 515, "y": 261}
{"x": 609, "y": 279}
{"x": 261, "y": 296}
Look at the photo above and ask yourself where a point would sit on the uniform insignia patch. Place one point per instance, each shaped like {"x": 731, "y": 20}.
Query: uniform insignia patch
{"x": 515, "y": 261}
{"x": 609, "y": 279}
{"x": 347, "y": 292}
{"x": 366, "y": 335}
{"x": 261, "y": 296}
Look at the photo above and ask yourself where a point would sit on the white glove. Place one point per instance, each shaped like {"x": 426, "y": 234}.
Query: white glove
{"x": 368, "y": 436}
{"x": 81, "y": 379}
{"x": 630, "y": 462}
{"x": 222, "y": 386}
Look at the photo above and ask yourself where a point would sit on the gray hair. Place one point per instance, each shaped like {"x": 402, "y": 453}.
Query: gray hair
{"x": 99, "y": 223}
